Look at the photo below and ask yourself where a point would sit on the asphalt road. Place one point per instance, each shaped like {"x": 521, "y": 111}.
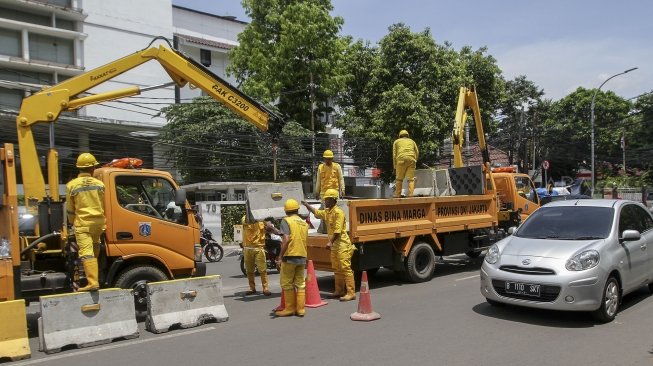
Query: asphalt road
{"x": 442, "y": 322}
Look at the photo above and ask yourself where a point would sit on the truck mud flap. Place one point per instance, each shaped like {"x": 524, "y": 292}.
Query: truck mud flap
{"x": 184, "y": 303}
{"x": 85, "y": 319}
{"x": 14, "y": 344}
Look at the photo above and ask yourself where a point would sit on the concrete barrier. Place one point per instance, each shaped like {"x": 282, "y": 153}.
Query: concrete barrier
{"x": 14, "y": 344}
{"x": 85, "y": 319}
{"x": 184, "y": 303}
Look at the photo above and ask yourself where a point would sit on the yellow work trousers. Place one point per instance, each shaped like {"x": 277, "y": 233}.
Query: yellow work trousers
{"x": 292, "y": 276}
{"x": 88, "y": 240}
{"x": 405, "y": 169}
{"x": 341, "y": 260}
{"x": 254, "y": 258}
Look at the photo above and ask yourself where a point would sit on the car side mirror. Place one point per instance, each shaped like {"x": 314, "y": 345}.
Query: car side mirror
{"x": 631, "y": 235}
{"x": 511, "y": 230}
{"x": 180, "y": 197}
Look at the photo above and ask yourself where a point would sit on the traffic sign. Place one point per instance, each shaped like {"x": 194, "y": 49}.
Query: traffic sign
{"x": 545, "y": 164}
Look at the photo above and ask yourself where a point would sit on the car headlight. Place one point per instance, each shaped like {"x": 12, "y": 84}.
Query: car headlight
{"x": 583, "y": 260}
{"x": 493, "y": 254}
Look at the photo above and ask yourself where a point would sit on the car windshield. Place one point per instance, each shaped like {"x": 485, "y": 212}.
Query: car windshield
{"x": 568, "y": 223}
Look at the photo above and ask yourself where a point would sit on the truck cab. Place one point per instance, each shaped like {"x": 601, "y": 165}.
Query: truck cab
{"x": 516, "y": 192}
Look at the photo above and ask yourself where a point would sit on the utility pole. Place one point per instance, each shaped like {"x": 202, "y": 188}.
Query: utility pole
{"x": 313, "y": 130}
{"x": 623, "y": 149}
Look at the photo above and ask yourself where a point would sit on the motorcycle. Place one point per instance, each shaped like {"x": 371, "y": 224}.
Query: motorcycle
{"x": 212, "y": 250}
{"x": 272, "y": 249}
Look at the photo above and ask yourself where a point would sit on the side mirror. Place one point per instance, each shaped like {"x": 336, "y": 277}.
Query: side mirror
{"x": 511, "y": 230}
{"x": 631, "y": 235}
{"x": 180, "y": 197}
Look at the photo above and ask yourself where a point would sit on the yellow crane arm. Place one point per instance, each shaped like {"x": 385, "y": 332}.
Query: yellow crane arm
{"x": 46, "y": 106}
{"x": 467, "y": 99}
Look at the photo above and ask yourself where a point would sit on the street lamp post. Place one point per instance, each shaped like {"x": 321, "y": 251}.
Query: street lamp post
{"x": 592, "y": 116}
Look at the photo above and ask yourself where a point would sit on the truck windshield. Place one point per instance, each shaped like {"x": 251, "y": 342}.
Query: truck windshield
{"x": 568, "y": 223}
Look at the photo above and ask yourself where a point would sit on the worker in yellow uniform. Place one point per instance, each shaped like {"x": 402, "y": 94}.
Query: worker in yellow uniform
{"x": 329, "y": 176}
{"x": 404, "y": 160}
{"x": 293, "y": 260}
{"x": 85, "y": 209}
{"x": 254, "y": 254}
{"x": 339, "y": 244}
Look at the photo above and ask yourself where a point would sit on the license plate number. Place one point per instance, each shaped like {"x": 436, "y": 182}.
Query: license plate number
{"x": 519, "y": 288}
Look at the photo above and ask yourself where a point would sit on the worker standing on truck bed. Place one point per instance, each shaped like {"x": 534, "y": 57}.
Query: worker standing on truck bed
{"x": 339, "y": 244}
{"x": 404, "y": 160}
{"x": 254, "y": 254}
{"x": 329, "y": 176}
{"x": 85, "y": 209}
{"x": 293, "y": 260}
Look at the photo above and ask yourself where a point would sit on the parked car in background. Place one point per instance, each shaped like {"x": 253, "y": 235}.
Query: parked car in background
{"x": 580, "y": 255}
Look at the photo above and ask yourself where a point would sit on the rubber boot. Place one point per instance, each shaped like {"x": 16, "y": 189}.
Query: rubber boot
{"x": 351, "y": 289}
{"x": 91, "y": 271}
{"x": 411, "y": 188}
{"x": 252, "y": 284}
{"x": 265, "y": 283}
{"x": 340, "y": 287}
{"x": 301, "y": 301}
{"x": 398, "y": 186}
{"x": 291, "y": 304}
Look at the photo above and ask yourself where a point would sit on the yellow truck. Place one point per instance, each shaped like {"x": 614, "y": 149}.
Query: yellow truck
{"x": 140, "y": 243}
{"x": 404, "y": 234}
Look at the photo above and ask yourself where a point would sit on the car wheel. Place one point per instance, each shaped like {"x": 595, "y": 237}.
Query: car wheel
{"x": 494, "y": 303}
{"x": 420, "y": 262}
{"x": 609, "y": 303}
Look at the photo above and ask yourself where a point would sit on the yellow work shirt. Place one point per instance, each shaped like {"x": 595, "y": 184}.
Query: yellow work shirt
{"x": 329, "y": 177}
{"x": 298, "y": 236}
{"x": 85, "y": 201}
{"x": 404, "y": 149}
{"x": 254, "y": 235}
{"x": 335, "y": 223}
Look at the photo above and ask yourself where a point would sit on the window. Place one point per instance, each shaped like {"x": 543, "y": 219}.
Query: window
{"x": 48, "y": 48}
{"x": 10, "y": 43}
{"x": 525, "y": 188}
{"x": 568, "y": 222}
{"x": 150, "y": 196}
{"x": 629, "y": 219}
{"x": 205, "y": 57}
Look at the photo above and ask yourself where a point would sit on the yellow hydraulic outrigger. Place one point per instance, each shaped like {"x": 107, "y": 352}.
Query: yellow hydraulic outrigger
{"x": 46, "y": 106}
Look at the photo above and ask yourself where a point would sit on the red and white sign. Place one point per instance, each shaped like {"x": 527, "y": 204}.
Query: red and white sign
{"x": 545, "y": 165}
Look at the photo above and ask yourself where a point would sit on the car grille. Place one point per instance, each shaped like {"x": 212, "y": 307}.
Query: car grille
{"x": 528, "y": 271}
{"x": 547, "y": 293}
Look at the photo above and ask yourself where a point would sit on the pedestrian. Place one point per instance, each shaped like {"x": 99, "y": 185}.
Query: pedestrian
{"x": 329, "y": 176}
{"x": 404, "y": 161}
{"x": 293, "y": 260}
{"x": 254, "y": 254}
{"x": 339, "y": 244}
{"x": 85, "y": 210}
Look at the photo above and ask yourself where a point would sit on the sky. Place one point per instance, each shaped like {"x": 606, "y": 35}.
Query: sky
{"x": 560, "y": 45}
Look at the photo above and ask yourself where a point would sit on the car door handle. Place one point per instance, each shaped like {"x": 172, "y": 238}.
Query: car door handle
{"x": 642, "y": 247}
{"x": 122, "y": 235}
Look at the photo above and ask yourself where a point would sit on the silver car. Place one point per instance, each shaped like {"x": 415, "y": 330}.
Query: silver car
{"x": 581, "y": 255}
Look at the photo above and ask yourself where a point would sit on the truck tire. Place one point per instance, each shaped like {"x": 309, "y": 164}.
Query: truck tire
{"x": 420, "y": 263}
{"x": 134, "y": 278}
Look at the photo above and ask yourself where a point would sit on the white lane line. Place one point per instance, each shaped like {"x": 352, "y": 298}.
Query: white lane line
{"x": 121, "y": 344}
{"x": 468, "y": 278}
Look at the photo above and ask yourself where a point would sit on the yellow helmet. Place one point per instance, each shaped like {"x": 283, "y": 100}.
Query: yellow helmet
{"x": 403, "y": 133}
{"x": 86, "y": 160}
{"x": 291, "y": 205}
{"x": 331, "y": 193}
{"x": 328, "y": 154}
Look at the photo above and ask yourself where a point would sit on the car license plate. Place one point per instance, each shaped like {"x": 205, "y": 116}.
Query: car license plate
{"x": 519, "y": 288}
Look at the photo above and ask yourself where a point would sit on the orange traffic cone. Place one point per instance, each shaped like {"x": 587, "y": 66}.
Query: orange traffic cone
{"x": 365, "y": 312}
{"x": 283, "y": 302}
{"x": 313, "y": 299}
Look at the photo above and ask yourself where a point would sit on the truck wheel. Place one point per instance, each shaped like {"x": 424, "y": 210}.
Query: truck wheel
{"x": 420, "y": 262}
{"x": 134, "y": 278}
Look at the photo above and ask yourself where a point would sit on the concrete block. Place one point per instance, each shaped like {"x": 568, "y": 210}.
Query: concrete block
{"x": 184, "y": 303}
{"x": 14, "y": 344}
{"x": 85, "y": 319}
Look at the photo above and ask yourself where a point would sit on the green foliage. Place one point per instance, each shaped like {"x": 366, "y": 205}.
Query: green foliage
{"x": 230, "y": 216}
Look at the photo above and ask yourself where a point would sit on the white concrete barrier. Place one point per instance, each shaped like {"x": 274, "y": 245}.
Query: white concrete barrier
{"x": 85, "y": 319}
{"x": 14, "y": 344}
{"x": 185, "y": 303}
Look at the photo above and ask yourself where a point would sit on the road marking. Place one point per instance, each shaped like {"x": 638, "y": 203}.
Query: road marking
{"x": 112, "y": 346}
{"x": 468, "y": 278}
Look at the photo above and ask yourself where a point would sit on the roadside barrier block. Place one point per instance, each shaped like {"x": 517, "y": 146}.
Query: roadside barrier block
{"x": 14, "y": 344}
{"x": 184, "y": 303}
{"x": 85, "y": 319}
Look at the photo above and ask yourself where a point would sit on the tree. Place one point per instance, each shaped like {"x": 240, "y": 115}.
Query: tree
{"x": 290, "y": 53}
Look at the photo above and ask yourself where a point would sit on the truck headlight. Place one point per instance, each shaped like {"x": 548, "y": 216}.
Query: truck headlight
{"x": 493, "y": 254}
{"x": 198, "y": 252}
{"x": 583, "y": 260}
